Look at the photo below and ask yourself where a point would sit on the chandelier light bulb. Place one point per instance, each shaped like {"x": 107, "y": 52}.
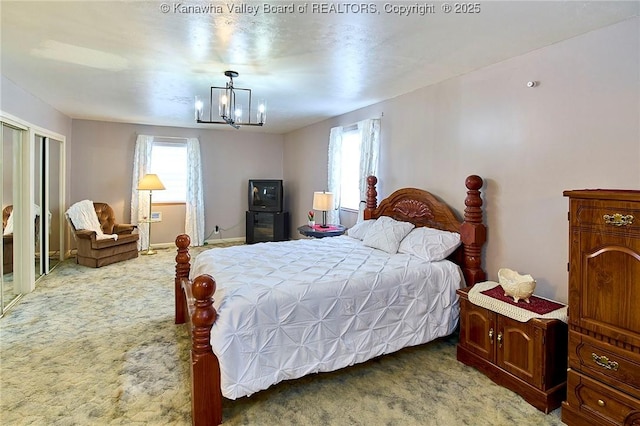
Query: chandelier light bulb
{"x": 199, "y": 105}
{"x": 222, "y": 105}
{"x": 262, "y": 112}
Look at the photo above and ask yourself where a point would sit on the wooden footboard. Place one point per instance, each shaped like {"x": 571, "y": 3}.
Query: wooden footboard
{"x": 194, "y": 299}
{"x": 194, "y": 305}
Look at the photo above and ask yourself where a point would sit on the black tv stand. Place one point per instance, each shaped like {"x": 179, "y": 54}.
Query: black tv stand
{"x": 267, "y": 226}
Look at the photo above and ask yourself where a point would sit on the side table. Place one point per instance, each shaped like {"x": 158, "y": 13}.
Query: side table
{"x": 149, "y": 250}
{"x": 529, "y": 358}
{"x": 317, "y": 231}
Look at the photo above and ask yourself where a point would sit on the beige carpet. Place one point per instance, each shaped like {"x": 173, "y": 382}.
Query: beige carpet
{"x": 99, "y": 347}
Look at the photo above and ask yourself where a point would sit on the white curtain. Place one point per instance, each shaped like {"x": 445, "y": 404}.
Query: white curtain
{"x": 369, "y": 131}
{"x": 335, "y": 172}
{"x": 140, "y": 199}
{"x": 194, "y": 224}
{"x": 194, "y": 206}
{"x": 369, "y": 154}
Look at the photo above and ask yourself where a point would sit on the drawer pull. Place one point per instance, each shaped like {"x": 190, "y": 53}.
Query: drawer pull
{"x": 601, "y": 403}
{"x": 491, "y": 336}
{"x": 603, "y": 361}
{"x": 618, "y": 219}
{"x": 500, "y": 339}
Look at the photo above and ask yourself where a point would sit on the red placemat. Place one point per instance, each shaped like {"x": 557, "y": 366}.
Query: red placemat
{"x": 328, "y": 228}
{"x": 536, "y": 304}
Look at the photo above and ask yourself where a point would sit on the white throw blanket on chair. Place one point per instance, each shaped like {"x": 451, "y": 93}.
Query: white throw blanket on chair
{"x": 9, "y": 228}
{"x": 83, "y": 216}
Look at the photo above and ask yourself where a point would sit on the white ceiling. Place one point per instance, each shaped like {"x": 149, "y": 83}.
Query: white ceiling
{"x": 130, "y": 62}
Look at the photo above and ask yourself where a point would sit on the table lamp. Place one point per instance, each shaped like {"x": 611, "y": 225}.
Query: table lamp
{"x": 150, "y": 182}
{"x": 323, "y": 201}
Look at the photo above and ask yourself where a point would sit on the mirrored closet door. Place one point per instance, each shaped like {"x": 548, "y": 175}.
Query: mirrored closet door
{"x": 32, "y": 194}
{"x": 9, "y": 159}
{"x": 47, "y": 204}
{"x": 55, "y": 203}
{"x": 39, "y": 207}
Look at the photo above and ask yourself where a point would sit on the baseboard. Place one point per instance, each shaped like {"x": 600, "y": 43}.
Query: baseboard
{"x": 207, "y": 242}
{"x": 161, "y": 246}
{"x": 219, "y": 241}
{"x": 225, "y": 241}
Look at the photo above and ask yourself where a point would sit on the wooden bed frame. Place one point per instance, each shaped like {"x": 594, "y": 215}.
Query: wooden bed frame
{"x": 194, "y": 299}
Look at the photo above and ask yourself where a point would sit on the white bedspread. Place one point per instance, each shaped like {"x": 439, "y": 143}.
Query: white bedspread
{"x": 288, "y": 309}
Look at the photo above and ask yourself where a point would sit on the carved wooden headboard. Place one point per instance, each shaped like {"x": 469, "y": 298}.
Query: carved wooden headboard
{"x": 422, "y": 208}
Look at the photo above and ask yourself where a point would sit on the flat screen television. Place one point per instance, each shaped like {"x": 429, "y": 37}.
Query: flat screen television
{"x": 265, "y": 195}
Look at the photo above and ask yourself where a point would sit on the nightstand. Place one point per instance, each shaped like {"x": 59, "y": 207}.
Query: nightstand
{"x": 319, "y": 232}
{"x": 529, "y": 358}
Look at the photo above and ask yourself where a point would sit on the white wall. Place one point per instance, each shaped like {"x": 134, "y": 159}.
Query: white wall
{"x": 22, "y": 104}
{"x": 101, "y": 168}
{"x": 579, "y": 128}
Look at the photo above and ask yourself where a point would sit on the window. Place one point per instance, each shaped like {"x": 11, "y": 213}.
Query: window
{"x": 350, "y": 170}
{"x": 353, "y": 155}
{"x": 169, "y": 162}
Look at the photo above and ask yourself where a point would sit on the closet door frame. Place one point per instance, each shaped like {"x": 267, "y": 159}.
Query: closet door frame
{"x": 16, "y": 165}
{"x": 24, "y": 193}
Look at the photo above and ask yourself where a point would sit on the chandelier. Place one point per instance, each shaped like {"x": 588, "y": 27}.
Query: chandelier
{"x": 232, "y": 104}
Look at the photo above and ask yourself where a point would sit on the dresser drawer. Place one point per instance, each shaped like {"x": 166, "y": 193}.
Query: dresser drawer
{"x": 610, "y": 364}
{"x": 607, "y": 215}
{"x": 599, "y": 402}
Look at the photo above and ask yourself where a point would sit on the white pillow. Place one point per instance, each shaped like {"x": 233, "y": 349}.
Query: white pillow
{"x": 386, "y": 234}
{"x": 359, "y": 230}
{"x": 430, "y": 244}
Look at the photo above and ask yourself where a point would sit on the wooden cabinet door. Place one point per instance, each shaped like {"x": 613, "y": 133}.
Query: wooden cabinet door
{"x": 604, "y": 276}
{"x": 477, "y": 330}
{"x": 519, "y": 350}
{"x": 608, "y": 285}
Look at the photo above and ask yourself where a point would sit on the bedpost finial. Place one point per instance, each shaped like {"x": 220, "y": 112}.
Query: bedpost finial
{"x": 473, "y": 182}
{"x": 203, "y": 287}
{"x": 473, "y": 201}
{"x": 204, "y": 314}
{"x": 183, "y": 241}
{"x": 182, "y": 257}
{"x": 372, "y": 196}
{"x": 182, "y": 266}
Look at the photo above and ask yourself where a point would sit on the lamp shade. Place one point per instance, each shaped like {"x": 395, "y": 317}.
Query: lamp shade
{"x": 323, "y": 201}
{"x": 150, "y": 182}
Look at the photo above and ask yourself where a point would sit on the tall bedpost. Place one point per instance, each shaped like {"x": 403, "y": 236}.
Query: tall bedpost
{"x": 473, "y": 232}
{"x": 182, "y": 271}
{"x": 372, "y": 197}
{"x": 206, "y": 394}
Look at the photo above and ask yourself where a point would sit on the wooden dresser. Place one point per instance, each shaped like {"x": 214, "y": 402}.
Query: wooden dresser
{"x": 603, "y": 382}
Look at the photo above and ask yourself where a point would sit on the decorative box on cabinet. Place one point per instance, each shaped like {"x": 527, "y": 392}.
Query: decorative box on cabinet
{"x": 603, "y": 385}
{"x": 529, "y": 358}
{"x": 267, "y": 226}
